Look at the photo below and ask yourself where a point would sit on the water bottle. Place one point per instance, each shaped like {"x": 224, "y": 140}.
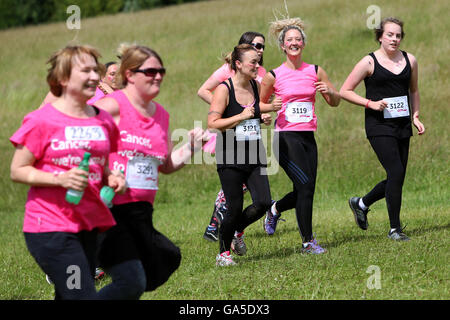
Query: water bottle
{"x": 73, "y": 196}
{"x": 107, "y": 194}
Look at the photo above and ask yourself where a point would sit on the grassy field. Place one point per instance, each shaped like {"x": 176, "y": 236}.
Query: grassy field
{"x": 191, "y": 39}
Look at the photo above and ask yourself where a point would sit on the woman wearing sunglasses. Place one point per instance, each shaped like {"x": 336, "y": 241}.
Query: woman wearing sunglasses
{"x": 136, "y": 256}
{"x": 205, "y": 92}
{"x": 296, "y": 83}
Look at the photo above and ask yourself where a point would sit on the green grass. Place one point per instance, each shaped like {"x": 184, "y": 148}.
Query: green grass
{"x": 191, "y": 38}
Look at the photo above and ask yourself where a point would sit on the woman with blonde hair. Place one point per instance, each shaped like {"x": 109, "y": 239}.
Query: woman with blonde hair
{"x": 50, "y": 144}
{"x": 136, "y": 255}
{"x": 296, "y": 83}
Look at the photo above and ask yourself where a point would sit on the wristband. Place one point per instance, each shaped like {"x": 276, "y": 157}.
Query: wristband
{"x": 367, "y": 104}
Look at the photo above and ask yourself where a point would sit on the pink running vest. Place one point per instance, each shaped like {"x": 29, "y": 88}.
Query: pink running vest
{"x": 296, "y": 89}
{"x": 142, "y": 149}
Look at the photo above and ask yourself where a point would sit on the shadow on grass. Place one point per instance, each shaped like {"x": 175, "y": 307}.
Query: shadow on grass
{"x": 349, "y": 237}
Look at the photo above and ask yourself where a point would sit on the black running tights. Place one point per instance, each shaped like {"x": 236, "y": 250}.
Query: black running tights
{"x": 237, "y": 219}
{"x": 298, "y": 157}
{"x": 393, "y": 156}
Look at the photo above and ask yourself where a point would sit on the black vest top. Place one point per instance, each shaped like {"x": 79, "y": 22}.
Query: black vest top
{"x": 243, "y": 155}
{"x": 385, "y": 84}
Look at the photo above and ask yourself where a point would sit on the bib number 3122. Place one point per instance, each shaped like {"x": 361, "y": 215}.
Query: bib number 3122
{"x": 397, "y": 107}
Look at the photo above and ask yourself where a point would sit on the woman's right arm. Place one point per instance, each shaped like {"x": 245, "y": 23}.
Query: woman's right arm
{"x": 206, "y": 90}
{"x": 218, "y": 105}
{"x": 23, "y": 171}
{"x": 361, "y": 70}
{"x": 266, "y": 92}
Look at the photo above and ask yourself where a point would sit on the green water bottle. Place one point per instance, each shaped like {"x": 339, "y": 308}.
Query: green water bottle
{"x": 107, "y": 194}
{"x": 73, "y": 196}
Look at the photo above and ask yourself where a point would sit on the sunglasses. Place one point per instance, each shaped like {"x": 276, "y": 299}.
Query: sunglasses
{"x": 258, "y": 46}
{"x": 152, "y": 72}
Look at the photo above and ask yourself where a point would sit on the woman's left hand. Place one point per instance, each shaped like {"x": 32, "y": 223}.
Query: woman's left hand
{"x": 419, "y": 125}
{"x": 116, "y": 180}
{"x": 266, "y": 118}
{"x": 197, "y": 138}
{"x": 322, "y": 87}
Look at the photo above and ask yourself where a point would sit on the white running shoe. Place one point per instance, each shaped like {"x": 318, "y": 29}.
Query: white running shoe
{"x": 225, "y": 259}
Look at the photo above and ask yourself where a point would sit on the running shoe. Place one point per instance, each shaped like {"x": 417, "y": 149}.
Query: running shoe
{"x": 238, "y": 244}
{"x": 99, "y": 273}
{"x": 271, "y": 221}
{"x": 359, "y": 214}
{"x": 225, "y": 259}
{"x": 398, "y": 235}
{"x": 211, "y": 233}
{"x": 313, "y": 247}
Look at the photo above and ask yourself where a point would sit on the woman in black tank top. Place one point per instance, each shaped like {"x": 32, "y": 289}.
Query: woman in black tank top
{"x": 240, "y": 154}
{"x": 392, "y": 97}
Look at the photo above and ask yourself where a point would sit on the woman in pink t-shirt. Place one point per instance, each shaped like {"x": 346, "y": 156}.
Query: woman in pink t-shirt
{"x": 50, "y": 144}
{"x": 136, "y": 256}
{"x": 257, "y": 40}
{"x": 296, "y": 83}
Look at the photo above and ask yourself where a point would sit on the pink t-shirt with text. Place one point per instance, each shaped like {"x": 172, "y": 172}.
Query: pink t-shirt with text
{"x": 58, "y": 142}
{"x": 143, "y": 148}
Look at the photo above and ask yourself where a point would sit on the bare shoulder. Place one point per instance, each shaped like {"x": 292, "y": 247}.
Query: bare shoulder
{"x": 412, "y": 59}
{"x": 365, "y": 66}
{"x": 108, "y": 104}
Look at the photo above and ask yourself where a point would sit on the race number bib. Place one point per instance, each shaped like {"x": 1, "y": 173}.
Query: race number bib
{"x": 297, "y": 112}
{"x": 90, "y": 133}
{"x": 397, "y": 107}
{"x": 142, "y": 173}
{"x": 248, "y": 130}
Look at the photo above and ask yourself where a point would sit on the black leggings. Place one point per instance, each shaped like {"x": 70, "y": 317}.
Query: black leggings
{"x": 298, "y": 157}
{"x": 238, "y": 219}
{"x": 393, "y": 156}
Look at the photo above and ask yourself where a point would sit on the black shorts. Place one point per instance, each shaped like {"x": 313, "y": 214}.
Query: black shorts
{"x": 134, "y": 237}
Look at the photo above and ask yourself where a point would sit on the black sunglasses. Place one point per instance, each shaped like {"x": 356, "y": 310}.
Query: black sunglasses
{"x": 258, "y": 46}
{"x": 152, "y": 72}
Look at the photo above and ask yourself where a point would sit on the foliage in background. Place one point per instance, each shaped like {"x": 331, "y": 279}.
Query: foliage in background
{"x": 191, "y": 39}
{"x": 14, "y": 13}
